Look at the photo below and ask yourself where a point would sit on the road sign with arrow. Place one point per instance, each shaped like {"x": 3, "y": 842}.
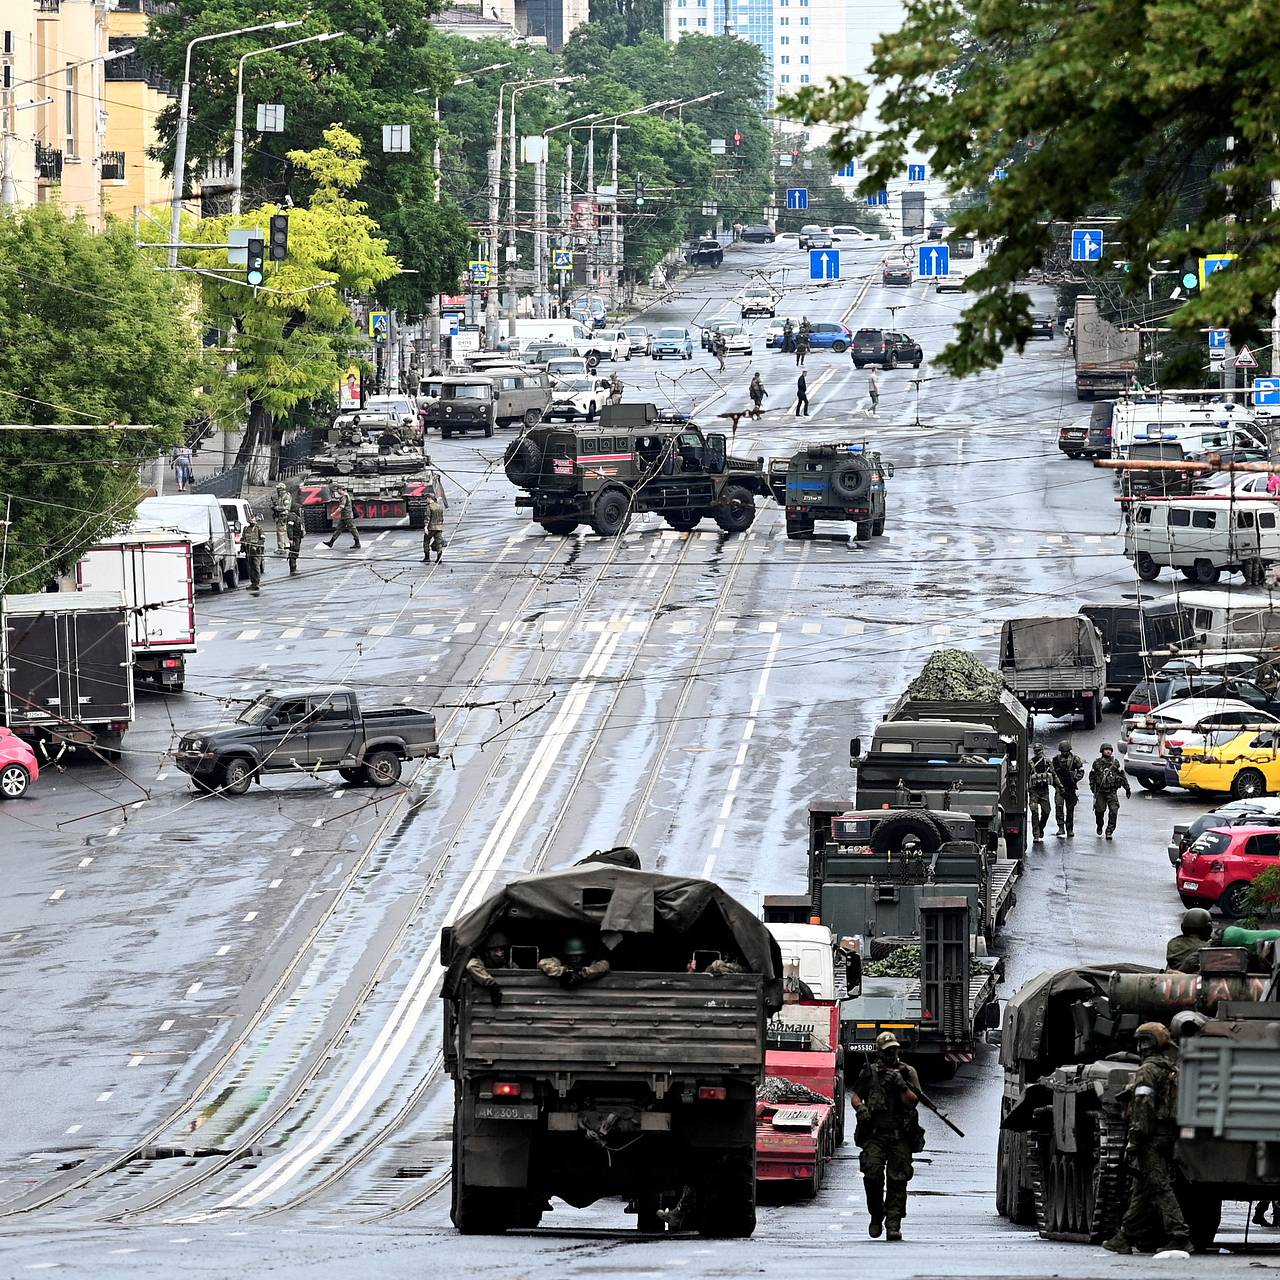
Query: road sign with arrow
{"x": 824, "y": 264}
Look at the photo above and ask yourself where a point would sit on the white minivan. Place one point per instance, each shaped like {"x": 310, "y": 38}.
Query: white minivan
{"x": 1202, "y": 536}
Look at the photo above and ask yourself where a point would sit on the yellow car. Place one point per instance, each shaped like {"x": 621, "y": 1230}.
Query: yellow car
{"x": 1245, "y": 762}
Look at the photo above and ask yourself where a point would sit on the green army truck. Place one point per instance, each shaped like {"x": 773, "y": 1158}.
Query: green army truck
{"x": 635, "y": 459}
{"x": 841, "y": 481}
{"x": 640, "y": 1084}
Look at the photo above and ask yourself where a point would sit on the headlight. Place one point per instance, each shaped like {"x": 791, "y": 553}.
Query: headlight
{"x": 197, "y": 744}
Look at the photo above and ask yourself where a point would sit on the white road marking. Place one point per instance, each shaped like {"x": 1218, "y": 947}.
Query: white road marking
{"x": 275, "y": 884}
{"x": 464, "y": 628}
{"x": 56, "y": 894}
{"x": 84, "y": 862}
{"x": 424, "y": 629}
{"x": 194, "y": 988}
{"x": 291, "y": 633}
{"x": 166, "y": 1024}
{"x": 708, "y": 866}
{"x": 75, "y": 1128}
{"x": 222, "y": 950}
{"x": 102, "y": 1097}
{"x": 136, "y": 1060}
{"x": 250, "y": 917}
{"x": 717, "y": 839}
{"x": 251, "y": 634}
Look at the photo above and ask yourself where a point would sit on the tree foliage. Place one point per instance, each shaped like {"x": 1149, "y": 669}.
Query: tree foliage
{"x": 1089, "y": 107}
{"x": 293, "y": 338}
{"x": 92, "y": 334}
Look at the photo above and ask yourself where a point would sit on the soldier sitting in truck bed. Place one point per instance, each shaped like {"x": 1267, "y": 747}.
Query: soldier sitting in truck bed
{"x": 496, "y": 955}
{"x": 576, "y": 967}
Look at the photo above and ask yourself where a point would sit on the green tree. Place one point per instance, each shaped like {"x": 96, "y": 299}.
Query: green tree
{"x": 92, "y": 334}
{"x": 294, "y": 337}
{"x": 1088, "y": 108}
{"x": 367, "y": 78}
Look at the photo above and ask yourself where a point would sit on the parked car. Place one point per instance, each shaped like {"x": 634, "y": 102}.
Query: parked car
{"x": 613, "y": 344}
{"x": 566, "y": 367}
{"x": 1219, "y": 867}
{"x": 672, "y": 343}
{"x": 1043, "y": 326}
{"x": 737, "y": 339}
{"x": 949, "y": 284}
{"x": 819, "y": 239}
{"x": 1203, "y": 677}
{"x": 707, "y": 252}
{"x": 19, "y": 767}
{"x": 581, "y": 397}
{"x": 810, "y": 228}
{"x": 709, "y": 331}
{"x": 399, "y": 407}
{"x": 887, "y": 348}
{"x": 757, "y": 302}
{"x": 773, "y": 334}
{"x": 894, "y": 273}
{"x": 852, "y": 233}
{"x": 757, "y": 233}
{"x": 593, "y": 312}
{"x": 1146, "y": 741}
{"x": 1260, "y": 811}
{"x": 826, "y": 335}
{"x": 1244, "y": 763}
{"x": 638, "y": 336}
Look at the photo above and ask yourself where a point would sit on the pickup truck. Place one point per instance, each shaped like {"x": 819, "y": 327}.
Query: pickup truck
{"x": 307, "y": 731}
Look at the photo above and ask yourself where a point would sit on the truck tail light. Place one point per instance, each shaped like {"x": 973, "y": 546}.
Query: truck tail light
{"x": 712, "y": 1093}
{"x": 802, "y": 1171}
{"x": 118, "y": 726}
{"x": 1013, "y": 829}
{"x": 507, "y": 1089}
{"x": 170, "y": 663}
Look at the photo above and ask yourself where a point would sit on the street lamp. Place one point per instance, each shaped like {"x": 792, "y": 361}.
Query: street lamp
{"x": 113, "y": 56}
{"x": 688, "y": 102}
{"x": 469, "y": 78}
{"x": 237, "y": 146}
{"x": 184, "y": 117}
{"x": 541, "y": 227}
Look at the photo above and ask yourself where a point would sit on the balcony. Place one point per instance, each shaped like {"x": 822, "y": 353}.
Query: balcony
{"x": 132, "y": 67}
{"x": 113, "y": 166}
{"x": 48, "y": 163}
{"x": 48, "y": 6}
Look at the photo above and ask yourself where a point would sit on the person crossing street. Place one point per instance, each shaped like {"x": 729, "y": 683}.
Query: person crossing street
{"x": 757, "y": 393}
{"x": 1106, "y": 778}
{"x": 296, "y": 530}
{"x": 346, "y": 521}
{"x": 719, "y": 348}
{"x": 1039, "y": 784}
{"x": 802, "y": 396}
{"x": 254, "y": 548}
{"x": 1068, "y": 769}
{"x": 873, "y": 390}
{"x": 281, "y": 506}
{"x": 433, "y": 537}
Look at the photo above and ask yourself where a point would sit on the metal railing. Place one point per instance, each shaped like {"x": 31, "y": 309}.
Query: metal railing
{"x": 134, "y": 67}
{"x": 48, "y": 6}
{"x": 225, "y": 484}
{"x": 113, "y": 166}
{"x": 48, "y": 159}
{"x": 295, "y": 453}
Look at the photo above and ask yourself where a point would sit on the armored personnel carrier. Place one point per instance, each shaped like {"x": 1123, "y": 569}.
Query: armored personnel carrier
{"x": 379, "y": 463}
{"x": 635, "y": 459}
{"x": 843, "y": 481}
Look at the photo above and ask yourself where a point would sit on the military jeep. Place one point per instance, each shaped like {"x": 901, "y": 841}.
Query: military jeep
{"x": 634, "y": 459}
{"x": 841, "y": 481}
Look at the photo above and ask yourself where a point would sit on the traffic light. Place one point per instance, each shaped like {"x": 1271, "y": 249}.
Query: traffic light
{"x": 257, "y": 269}
{"x": 639, "y": 192}
{"x": 279, "y": 237}
{"x": 737, "y": 138}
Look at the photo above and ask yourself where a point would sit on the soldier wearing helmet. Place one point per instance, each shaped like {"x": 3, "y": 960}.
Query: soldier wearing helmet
{"x": 1068, "y": 769}
{"x": 1182, "y": 955}
{"x": 885, "y": 1096}
{"x": 1106, "y": 780}
{"x": 496, "y": 955}
{"x": 579, "y": 964}
{"x": 1152, "y": 1130}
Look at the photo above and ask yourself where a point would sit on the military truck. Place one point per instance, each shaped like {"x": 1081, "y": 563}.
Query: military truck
{"x": 1055, "y": 664}
{"x": 640, "y": 1084}
{"x": 1067, "y": 1050}
{"x": 635, "y": 459}
{"x": 384, "y": 469}
{"x": 831, "y": 482}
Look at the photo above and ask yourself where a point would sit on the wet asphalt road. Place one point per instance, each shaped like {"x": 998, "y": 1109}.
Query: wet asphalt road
{"x": 254, "y": 979}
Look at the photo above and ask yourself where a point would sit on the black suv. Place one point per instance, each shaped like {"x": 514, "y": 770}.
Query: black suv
{"x": 758, "y": 234}
{"x": 886, "y": 348}
{"x": 706, "y": 253}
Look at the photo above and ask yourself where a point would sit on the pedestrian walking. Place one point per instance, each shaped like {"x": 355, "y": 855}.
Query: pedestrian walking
{"x": 433, "y": 535}
{"x": 802, "y": 396}
{"x": 254, "y": 548}
{"x": 281, "y": 505}
{"x": 1153, "y": 1128}
{"x": 295, "y": 529}
{"x": 788, "y": 337}
{"x": 1068, "y": 769}
{"x": 719, "y": 348}
{"x": 1106, "y": 778}
{"x": 885, "y": 1098}
{"x": 873, "y": 390}
{"x": 183, "y": 467}
{"x": 346, "y": 521}
{"x": 1039, "y": 784}
{"x": 615, "y": 388}
{"x": 757, "y": 393}
{"x": 802, "y": 349}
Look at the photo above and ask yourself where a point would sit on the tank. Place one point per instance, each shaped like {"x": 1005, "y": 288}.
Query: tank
{"x": 384, "y": 468}
{"x": 1067, "y": 1052}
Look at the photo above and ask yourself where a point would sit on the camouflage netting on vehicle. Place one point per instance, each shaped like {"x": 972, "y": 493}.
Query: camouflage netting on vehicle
{"x": 904, "y": 962}
{"x": 955, "y": 674}
{"x": 777, "y": 1090}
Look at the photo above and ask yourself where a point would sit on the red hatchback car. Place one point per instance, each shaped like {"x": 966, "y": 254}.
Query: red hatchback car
{"x": 1221, "y": 863}
{"x": 18, "y": 766}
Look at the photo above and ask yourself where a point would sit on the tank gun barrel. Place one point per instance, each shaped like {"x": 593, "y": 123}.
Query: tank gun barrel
{"x": 1158, "y": 996}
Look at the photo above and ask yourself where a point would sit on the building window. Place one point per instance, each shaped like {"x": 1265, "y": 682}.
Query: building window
{"x": 784, "y": 79}
{"x": 804, "y": 39}
{"x": 782, "y": 22}
{"x": 702, "y": 22}
{"x": 804, "y": 59}
{"x": 682, "y": 22}
{"x": 804, "y": 22}
{"x": 804, "y": 79}
{"x": 69, "y": 111}
{"x": 8, "y": 44}
{"x": 784, "y": 39}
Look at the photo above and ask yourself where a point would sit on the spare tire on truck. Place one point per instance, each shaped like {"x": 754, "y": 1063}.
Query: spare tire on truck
{"x": 889, "y": 835}
{"x": 522, "y": 462}
{"x": 850, "y": 480}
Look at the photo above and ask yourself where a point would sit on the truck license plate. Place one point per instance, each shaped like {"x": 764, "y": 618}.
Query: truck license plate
{"x": 506, "y": 1111}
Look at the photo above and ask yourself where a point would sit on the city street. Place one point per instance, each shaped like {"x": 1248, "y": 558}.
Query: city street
{"x": 229, "y": 1055}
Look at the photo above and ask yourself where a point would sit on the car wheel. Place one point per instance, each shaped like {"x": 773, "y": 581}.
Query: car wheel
{"x": 356, "y": 777}
{"x": 14, "y": 781}
{"x": 1151, "y": 784}
{"x": 737, "y": 509}
{"x": 610, "y": 513}
{"x": 1234, "y": 901}
{"x": 488, "y": 430}
{"x": 1147, "y": 568}
{"x": 532, "y": 417}
{"x": 1206, "y": 573}
{"x": 688, "y": 355}
{"x": 839, "y": 347}
{"x": 382, "y": 768}
{"x": 1248, "y": 784}
{"x": 859, "y": 364}
{"x": 237, "y": 776}
{"x": 893, "y": 361}
{"x": 915, "y": 364}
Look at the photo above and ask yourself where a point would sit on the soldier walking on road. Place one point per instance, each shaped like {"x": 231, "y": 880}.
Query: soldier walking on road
{"x": 1182, "y": 955}
{"x": 1068, "y": 769}
{"x": 802, "y": 396}
{"x": 251, "y": 543}
{"x": 281, "y": 505}
{"x": 1106, "y": 778}
{"x": 873, "y": 390}
{"x": 615, "y": 388}
{"x": 885, "y": 1096}
{"x": 802, "y": 347}
{"x": 1149, "y": 1153}
{"x": 719, "y": 348}
{"x": 788, "y": 337}
{"x": 1038, "y": 786}
{"x": 757, "y": 393}
{"x": 295, "y": 529}
{"x": 433, "y": 536}
{"x": 346, "y": 521}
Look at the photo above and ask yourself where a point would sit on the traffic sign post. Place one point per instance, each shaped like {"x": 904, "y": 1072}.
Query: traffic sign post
{"x": 1244, "y": 359}
{"x": 824, "y": 264}
{"x": 915, "y": 173}
{"x": 847, "y": 170}
{"x": 1218, "y": 348}
{"x": 479, "y": 271}
{"x": 1086, "y": 244}
{"x": 1001, "y": 174}
{"x": 935, "y": 259}
{"x": 797, "y": 197}
{"x": 1214, "y": 262}
{"x": 562, "y": 259}
{"x": 1266, "y": 393}
{"x": 379, "y": 324}
{"x": 879, "y": 198}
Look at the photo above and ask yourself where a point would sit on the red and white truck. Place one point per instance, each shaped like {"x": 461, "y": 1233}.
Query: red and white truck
{"x": 800, "y": 1107}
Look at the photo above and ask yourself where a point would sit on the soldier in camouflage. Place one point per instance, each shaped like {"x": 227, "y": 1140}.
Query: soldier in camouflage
{"x": 281, "y": 506}
{"x": 1106, "y": 778}
{"x": 1068, "y": 769}
{"x": 576, "y": 967}
{"x": 1152, "y": 1130}
{"x": 433, "y": 536}
{"x": 251, "y": 544}
{"x": 885, "y": 1096}
{"x": 295, "y": 529}
{"x": 496, "y": 953}
{"x": 1039, "y": 785}
{"x": 1182, "y": 955}
{"x": 346, "y": 521}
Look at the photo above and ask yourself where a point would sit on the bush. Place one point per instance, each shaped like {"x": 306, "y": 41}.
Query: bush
{"x": 1263, "y": 895}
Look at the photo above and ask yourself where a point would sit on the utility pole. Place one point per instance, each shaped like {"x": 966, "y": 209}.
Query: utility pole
{"x": 540, "y": 237}
{"x": 1275, "y": 301}
{"x": 491, "y": 318}
{"x": 615, "y": 228}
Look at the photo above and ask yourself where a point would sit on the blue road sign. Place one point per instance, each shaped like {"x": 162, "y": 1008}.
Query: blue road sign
{"x": 797, "y": 197}
{"x": 1214, "y": 262}
{"x": 1001, "y": 174}
{"x": 935, "y": 259}
{"x": 824, "y": 264}
{"x": 915, "y": 173}
{"x": 562, "y": 259}
{"x": 1086, "y": 245}
{"x": 1266, "y": 391}
{"x": 479, "y": 271}
{"x": 880, "y": 197}
{"x": 1218, "y": 339}
{"x": 847, "y": 170}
